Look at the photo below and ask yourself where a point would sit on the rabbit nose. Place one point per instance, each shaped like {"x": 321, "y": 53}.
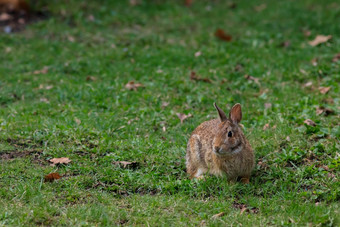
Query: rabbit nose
{"x": 216, "y": 149}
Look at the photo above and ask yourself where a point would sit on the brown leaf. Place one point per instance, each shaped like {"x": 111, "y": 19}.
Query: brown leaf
{"x": 248, "y": 77}
{"x": 238, "y": 68}
{"x": 285, "y": 44}
{"x": 308, "y": 84}
{"x": 244, "y": 208}
{"x": 197, "y": 54}
{"x": 133, "y": 86}
{"x": 261, "y": 7}
{"x": 45, "y": 100}
{"x": 306, "y": 33}
{"x": 71, "y": 39}
{"x": 182, "y": 117}
{"x": 331, "y": 175}
{"x": 324, "y": 90}
{"x": 319, "y": 39}
{"x": 326, "y": 111}
{"x": 41, "y": 71}
{"x": 266, "y": 126}
{"x": 51, "y": 177}
{"x": 314, "y": 61}
{"x": 165, "y": 104}
{"x": 193, "y": 76}
{"x": 218, "y": 215}
{"x": 219, "y": 33}
{"x": 309, "y": 122}
{"x": 188, "y": 2}
{"x": 77, "y": 121}
{"x": 91, "y": 17}
{"x": 126, "y": 164}
{"x": 288, "y": 138}
{"x": 91, "y": 78}
{"x": 336, "y": 57}
{"x": 62, "y": 160}
{"x": 267, "y": 105}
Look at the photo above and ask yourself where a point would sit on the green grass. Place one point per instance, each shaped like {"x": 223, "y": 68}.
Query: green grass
{"x": 98, "y": 122}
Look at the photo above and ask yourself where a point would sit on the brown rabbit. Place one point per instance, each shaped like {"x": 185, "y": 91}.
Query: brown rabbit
{"x": 219, "y": 147}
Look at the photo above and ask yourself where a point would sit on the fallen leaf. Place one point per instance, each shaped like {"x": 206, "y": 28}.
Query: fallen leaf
{"x": 319, "y": 39}
{"x": 71, "y": 39}
{"x": 288, "y": 138}
{"x": 126, "y": 164}
{"x": 324, "y": 110}
{"x": 165, "y": 104}
{"x": 219, "y": 33}
{"x": 51, "y": 177}
{"x": 309, "y": 122}
{"x": 91, "y": 18}
{"x": 306, "y": 33}
{"x": 62, "y": 160}
{"x": 5, "y": 17}
{"x": 243, "y": 209}
{"x": 324, "y": 90}
{"x": 45, "y": 100}
{"x": 238, "y": 68}
{"x": 48, "y": 87}
{"x": 285, "y": 44}
{"x": 164, "y": 128}
{"x": 41, "y": 71}
{"x": 218, "y": 215}
{"x": 314, "y": 61}
{"x": 267, "y": 105}
{"x": 308, "y": 84}
{"x": 331, "y": 175}
{"x": 336, "y": 57}
{"x": 188, "y": 2}
{"x": 133, "y": 86}
{"x": 91, "y": 78}
{"x": 182, "y": 117}
{"x": 197, "y": 54}
{"x": 77, "y": 121}
{"x": 266, "y": 126}
{"x": 248, "y": 77}
{"x": 193, "y": 76}
{"x": 133, "y": 2}
{"x": 260, "y": 8}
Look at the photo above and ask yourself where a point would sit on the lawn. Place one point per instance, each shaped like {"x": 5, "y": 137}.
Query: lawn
{"x": 63, "y": 93}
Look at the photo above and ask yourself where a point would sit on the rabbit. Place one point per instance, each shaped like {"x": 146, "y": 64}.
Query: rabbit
{"x": 219, "y": 147}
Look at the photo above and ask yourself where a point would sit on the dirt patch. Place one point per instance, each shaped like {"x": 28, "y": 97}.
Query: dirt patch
{"x": 35, "y": 155}
{"x": 16, "y": 20}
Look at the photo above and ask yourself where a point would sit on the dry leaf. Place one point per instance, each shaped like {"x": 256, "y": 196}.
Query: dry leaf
{"x": 336, "y": 57}
{"x": 319, "y": 39}
{"x": 91, "y": 18}
{"x": 314, "y": 61}
{"x": 77, "y": 121}
{"x": 238, "y": 68}
{"x": 193, "y": 76}
{"x": 266, "y": 126}
{"x": 51, "y": 177}
{"x": 218, "y": 215}
{"x": 326, "y": 111}
{"x": 71, "y": 39}
{"x": 91, "y": 78}
{"x": 133, "y": 86}
{"x": 288, "y": 138}
{"x": 306, "y": 33}
{"x": 62, "y": 160}
{"x": 285, "y": 44}
{"x": 324, "y": 90}
{"x": 267, "y": 105}
{"x": 197, "y": 54}
{"x": 261, "y": 7}
{"x": 188, "y": 2}
{"x": 164, "y": 128}
{"x": 45, "y": 100}
{"x": 219, "y": 33}
{"x": 126, "y": 164}
{"x": 165, "y": 104}
{"x": 243, "y": 209}
{"x": 248, "y": 77}
{"x": 309, "y": 122}
{"x": 331, "y": 175}
{"x": 308, "y": 84}
{"x": 41, "y": 71}
{"x": 182, "y": 117}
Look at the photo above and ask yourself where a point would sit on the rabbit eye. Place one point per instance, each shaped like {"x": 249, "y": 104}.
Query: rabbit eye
{"x": 230, "y": 134}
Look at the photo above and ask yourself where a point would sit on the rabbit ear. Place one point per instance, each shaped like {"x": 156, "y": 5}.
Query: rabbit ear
{"x": 236, "y": 113}
{"x": 221, "y": 114}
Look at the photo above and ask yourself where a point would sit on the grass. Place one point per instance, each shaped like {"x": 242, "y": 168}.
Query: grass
{"x": 95, "y": 121}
